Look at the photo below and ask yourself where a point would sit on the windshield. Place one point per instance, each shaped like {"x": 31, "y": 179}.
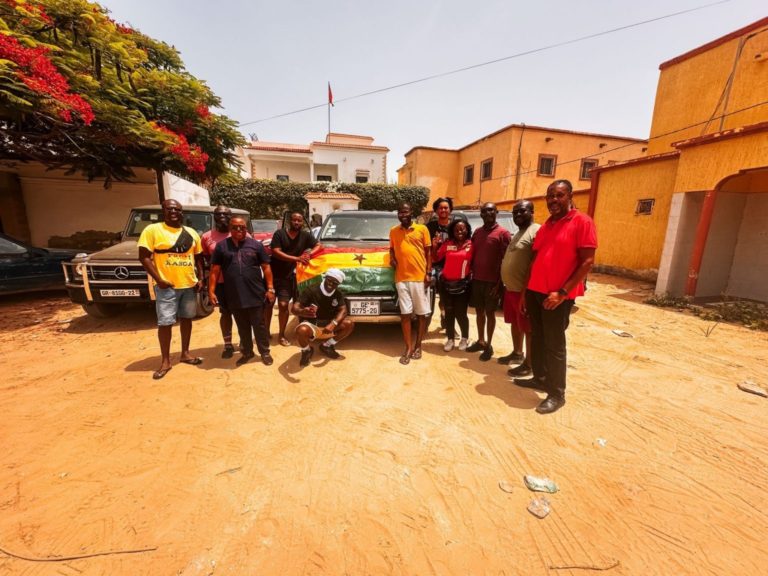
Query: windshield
{"x": 358, "y": 227}
{"x": 140, "y": 220}
{"x": 503, "y": 218}
{"x": 264, "y": 225}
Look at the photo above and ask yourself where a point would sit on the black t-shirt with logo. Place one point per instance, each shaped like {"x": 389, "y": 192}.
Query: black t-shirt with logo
{"x": 282, "y": 269}
{"x": 327, "y": 306}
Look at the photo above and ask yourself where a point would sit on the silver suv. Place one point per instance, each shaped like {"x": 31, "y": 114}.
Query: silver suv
{"x": 104, "y": 282}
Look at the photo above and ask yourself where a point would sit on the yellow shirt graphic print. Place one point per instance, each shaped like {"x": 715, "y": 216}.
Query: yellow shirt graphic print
{"x": 178, "y": 269}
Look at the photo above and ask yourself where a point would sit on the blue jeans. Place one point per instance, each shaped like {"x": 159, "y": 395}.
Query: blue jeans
{"x": 172, "y": 302}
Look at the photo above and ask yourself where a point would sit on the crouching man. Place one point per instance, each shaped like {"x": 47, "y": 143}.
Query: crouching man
{"x": 323, "y": 311}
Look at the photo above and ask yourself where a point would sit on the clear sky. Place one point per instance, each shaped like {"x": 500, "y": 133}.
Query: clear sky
{"x": 267, "y": 58}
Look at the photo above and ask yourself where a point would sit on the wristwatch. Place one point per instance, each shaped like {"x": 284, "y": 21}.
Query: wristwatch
{"x": 563, "y": 292}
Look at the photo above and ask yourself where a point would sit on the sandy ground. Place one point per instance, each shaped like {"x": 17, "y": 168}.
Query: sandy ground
{"x": 364, "y": 466}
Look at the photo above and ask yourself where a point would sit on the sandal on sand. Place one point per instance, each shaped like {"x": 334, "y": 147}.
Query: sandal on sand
{"x": 404, "y": 359}
{"x": 416, "y": 354}
{"x": 193, "y": 361}
{"x": 284, "y": 342}
{"x": 160, "y": 373}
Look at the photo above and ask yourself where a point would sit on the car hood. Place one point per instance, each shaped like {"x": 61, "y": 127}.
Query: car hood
{"x": 126, "y": 250}
{"x": 63, "y": 253}
{"x": 365, "y": 265}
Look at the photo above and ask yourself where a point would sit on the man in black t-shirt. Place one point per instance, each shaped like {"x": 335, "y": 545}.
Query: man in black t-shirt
{"x": 323, "y": 310}
{"x": 289, "y": 247}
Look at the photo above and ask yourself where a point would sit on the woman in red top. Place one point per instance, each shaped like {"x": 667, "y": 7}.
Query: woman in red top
{"x": 455, "y": 279}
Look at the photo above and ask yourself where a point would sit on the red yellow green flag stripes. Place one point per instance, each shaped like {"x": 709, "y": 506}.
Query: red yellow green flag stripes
{"x": 366, "y": 269}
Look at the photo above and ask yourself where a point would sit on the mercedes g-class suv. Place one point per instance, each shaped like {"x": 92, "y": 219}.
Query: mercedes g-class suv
{"x": 104, "y": 282}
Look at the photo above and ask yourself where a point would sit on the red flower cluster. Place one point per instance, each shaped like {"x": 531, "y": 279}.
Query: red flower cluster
{"x": 30, "y": 9}
{"x": 40, "y": 75}
{"x": 202, "y": 111}
{"x": 191, "y": 154}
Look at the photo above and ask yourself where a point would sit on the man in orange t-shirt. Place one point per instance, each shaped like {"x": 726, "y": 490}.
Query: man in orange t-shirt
{"x": 411, "y": 255}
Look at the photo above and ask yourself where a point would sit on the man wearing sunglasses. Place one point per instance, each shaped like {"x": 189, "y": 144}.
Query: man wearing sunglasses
{"x": 243, "y": 263}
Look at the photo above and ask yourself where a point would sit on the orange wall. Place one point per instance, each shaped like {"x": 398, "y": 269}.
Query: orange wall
{"x": 443, "y": 170}
{"x": 689, "y": 91}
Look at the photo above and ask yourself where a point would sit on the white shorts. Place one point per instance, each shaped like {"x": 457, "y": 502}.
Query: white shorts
{"x": 413, "y": 298}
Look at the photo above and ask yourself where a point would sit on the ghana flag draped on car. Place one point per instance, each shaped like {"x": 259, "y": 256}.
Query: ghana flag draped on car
{"x": 367, "y": 269}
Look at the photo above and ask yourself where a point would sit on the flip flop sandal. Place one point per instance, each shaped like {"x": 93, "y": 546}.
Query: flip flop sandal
{"x": 192, "y": 361}
{"x": 158, "y": 374}
{"x": 404, "y": 359}
{"x": 416, "y": 354}
{"x": 284, "y": 342}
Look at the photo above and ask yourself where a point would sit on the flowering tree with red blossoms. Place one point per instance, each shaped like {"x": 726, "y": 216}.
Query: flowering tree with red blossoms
{"x": 83, "y": 92}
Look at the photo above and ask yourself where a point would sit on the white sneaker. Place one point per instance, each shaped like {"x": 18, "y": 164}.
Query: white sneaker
{"x": 463, "y": 344}
{"x": 448, "y": 345}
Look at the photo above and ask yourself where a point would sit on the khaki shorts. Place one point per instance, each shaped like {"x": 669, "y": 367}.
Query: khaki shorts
{"x": 317, "y": 332}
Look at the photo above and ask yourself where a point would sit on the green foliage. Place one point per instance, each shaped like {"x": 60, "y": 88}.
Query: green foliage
{"x": 149, "y": 111}
{"x": 270, "y": 198}
{"x": 753, "y": 315}
{"x": 668, "y": 301}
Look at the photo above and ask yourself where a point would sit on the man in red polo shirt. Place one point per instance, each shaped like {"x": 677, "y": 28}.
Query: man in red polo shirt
{"x": 563, "y": 254}
{"x": 489, "y": 242}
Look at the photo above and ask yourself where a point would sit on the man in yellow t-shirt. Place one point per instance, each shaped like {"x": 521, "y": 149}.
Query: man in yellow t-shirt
{"x": 171, "y": 254}
{"x": 411, "y": 255}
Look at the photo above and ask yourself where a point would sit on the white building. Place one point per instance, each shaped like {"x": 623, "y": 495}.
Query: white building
{"x": 341, "y": 158}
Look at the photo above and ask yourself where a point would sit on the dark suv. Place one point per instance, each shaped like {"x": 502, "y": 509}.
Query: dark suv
{"x": 105, "y": 281}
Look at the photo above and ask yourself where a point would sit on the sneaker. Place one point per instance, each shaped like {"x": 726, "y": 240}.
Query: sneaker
{"x": 463, "y": 344}
{"x": 228, "y": 352}
{"x": 487, "y": 353}
{"x": 306, "y": 355}
{"x": 448, "y": 345}
{"x": 330, "y": 351}
{"x": 511, "y": 358}
{"x": 267, "y": 359}
{"x": 522, "y": 370}
{"x": 476, "y": 347}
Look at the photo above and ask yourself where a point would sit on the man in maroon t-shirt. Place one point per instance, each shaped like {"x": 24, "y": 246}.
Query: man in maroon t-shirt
{"x": 563, "y": 254}
{"x": 489, "y": 243}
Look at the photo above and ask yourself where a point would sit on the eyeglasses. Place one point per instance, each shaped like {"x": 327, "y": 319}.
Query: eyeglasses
{"x": 237, "y": 228}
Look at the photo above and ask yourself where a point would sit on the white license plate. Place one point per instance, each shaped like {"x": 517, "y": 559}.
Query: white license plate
{"x": 126, "y": 292}
{"x": 364, "y": 307}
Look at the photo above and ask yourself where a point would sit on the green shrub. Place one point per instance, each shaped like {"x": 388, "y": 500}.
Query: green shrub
{"x": 271, "y": 198}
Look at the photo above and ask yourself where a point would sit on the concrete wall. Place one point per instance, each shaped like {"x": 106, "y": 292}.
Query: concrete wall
{"x": 435, "y": 169}
{"x": 61, "y": 206}
{"x": 349, "y": 161}
{"x": 186, "y": 192}
{"x": 688, "y": 92}
{"x": 673, "y": 271}
{"x": 750, "y": 259}
{"x": 325, "y": 207}
{"x": 626, "y": 239}
{"x": 721, "y": 244}
{"x": 270, "y": 169}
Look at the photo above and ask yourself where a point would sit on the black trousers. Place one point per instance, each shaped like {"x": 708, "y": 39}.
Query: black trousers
{"x": 548, "y": 346}
{"x": 455, "y": 311}
{"x": 251, "y": 321}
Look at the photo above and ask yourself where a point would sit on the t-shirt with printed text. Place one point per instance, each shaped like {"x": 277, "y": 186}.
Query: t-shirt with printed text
{"x": 176, "y": 268}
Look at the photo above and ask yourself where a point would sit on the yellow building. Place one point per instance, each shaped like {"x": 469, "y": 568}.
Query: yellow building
{"x": 693, "y": 212}
{"x": 515, "y": 162}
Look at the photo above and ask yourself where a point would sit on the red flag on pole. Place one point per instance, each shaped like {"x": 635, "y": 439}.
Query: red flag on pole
{"x": 330, "y": 95}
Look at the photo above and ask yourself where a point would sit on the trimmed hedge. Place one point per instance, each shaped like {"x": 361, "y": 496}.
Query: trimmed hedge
{"x": 269, "y": 199}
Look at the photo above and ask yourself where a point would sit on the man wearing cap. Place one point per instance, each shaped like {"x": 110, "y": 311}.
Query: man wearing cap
{"x": 323, "y": 311}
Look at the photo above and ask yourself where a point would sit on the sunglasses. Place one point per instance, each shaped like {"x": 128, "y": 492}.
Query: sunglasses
{"x": 237, "y": 228}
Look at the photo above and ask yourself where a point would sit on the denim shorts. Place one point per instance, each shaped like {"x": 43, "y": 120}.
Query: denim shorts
{"x": 172, "y": 302}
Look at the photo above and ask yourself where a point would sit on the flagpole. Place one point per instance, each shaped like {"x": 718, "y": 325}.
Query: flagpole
{"x": 329, "y": 110}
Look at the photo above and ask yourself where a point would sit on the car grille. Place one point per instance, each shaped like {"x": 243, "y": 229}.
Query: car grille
{"x": 114, "y": 273}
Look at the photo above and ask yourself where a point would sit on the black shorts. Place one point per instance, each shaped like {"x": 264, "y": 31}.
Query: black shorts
{"x": 481, "y": 296}
{"x": 221, "y": 295}
{"x": 285, "y": 288}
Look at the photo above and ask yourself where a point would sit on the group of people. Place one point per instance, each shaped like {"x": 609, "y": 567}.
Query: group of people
{"x": 537, "y": 274}
{"x": 245, "y": 281}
